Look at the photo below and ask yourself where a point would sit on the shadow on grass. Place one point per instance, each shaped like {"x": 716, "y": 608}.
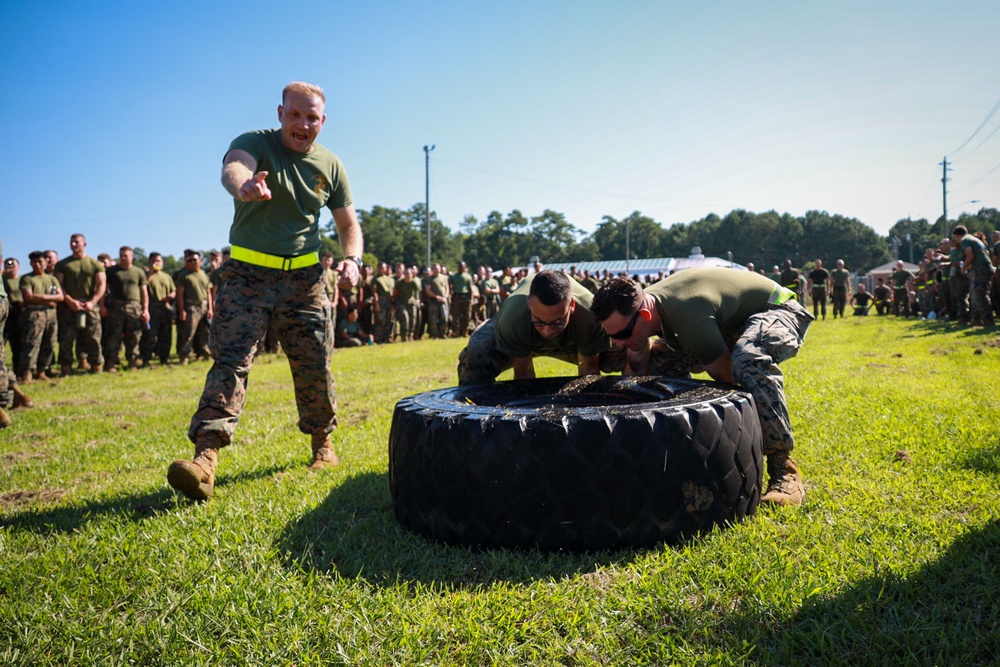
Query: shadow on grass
{"x": 984, "y": 459}
{"x": 945, "y": 614}
{"x": 353, "y": 534}
{"x": 136, "y": 507}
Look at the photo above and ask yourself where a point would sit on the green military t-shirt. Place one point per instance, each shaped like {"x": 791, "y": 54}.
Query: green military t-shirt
{"x": 790, "y": 279}
{"x": 516, "y": 337}
{"x": 900, "y": 278}
{"x": 330, "y": 279}
{"x": 301, "y": 185}
{"x": 438, "y": 284}
{"x": 840, "y": 277}
{"x": 196, "y": 285}
{"x": 160, "y": 286}
{"x": 12, "y": 289}
{"x": 699, "y": 307}
{"x": 42, "y": 284}
{"x": 461, "y": 283}
{"x": 383, "y": 286}
{"x": 407, "y": 290}
{"x": 125, "y": 284}
{"x": 79, "y": 276}
{"x": 489, "y": 285}
{"x": 979, "y": 255}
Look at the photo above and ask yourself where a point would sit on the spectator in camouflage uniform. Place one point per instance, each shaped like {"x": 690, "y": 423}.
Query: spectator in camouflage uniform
{"x": 280, "y": 180}
{"x": 83, "y": 281}
{"x": 436, "y": 291}
{"x": 127, "y": 302}
{"x": 735, "y": 325}
{"x": 14, "y": 330}
{"x": 41, "y": 294}
{"x": 460, "y": 286}
{"x": 11, "y": 395}
{"x": 901, "y": 279}
{"x": 976, "y": 261}
{"x": 162, "y": 293}
{"x": 406, "y": 301}
{"x": 382, "y": 287}
{"x": 194, "y": 304}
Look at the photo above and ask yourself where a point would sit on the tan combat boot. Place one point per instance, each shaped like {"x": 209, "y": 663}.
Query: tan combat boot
{"x": 196, "y": 478}
{"x": 323, "y": 455}
{"x": 5, "y": 420}
{"x": 785, "y": 486}
{"x": 27, "y": 377}
{"x": 21, "y": 399}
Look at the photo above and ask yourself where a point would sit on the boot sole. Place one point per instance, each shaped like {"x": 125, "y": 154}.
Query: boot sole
{"x": 181, "y": 477}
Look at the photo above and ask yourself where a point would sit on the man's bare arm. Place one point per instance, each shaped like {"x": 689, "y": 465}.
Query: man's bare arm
{"x": 524, "y": 368}
{"x": 589, "y": 365}
{"x": 721, "y": 369}
{"x": 241, "y": 178}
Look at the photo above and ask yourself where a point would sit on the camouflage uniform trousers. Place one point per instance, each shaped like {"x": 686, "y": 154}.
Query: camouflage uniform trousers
{"x": 406, "y": 317}
{"x": 819, "y": 302}
{"x": 766, "y": 339}
{"x": 13, "y": 331}
{"x": 944, "y": 291}
{"x": 960, "y": 296}
{"x": 839, "y": 300}
{"x": 481, "y": 362}
{"x": 7, "y": 379}
{"x": 492, "y": 305}
{"x": 87, "y": 338}
{"x": 296, "y": 302}
{"x": 156, "y": 339}
{"x": 461, "y": 311}
{"x": 982, "y": 276}
{"x": 125, "y": 327}
{"x": 437, "y": 319}
{"x": 39, "y": 326}
{"x": 187, "y": 330}
{"x": 900, "y": 301}
{"x": 383, "y": 320}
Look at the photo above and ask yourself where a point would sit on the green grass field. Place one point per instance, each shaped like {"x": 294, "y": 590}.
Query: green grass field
{"x": 893, "y": 558}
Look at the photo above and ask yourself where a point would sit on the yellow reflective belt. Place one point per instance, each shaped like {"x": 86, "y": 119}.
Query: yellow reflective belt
{"x": 779, "y": 295}
{"x": 273, "y": 261}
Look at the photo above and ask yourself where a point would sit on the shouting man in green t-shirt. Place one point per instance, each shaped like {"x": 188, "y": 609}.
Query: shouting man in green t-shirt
{"x": 737, "y": 326}
{"x": 281, "y": 180}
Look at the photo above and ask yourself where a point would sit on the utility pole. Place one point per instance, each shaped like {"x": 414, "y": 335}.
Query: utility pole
{"x": 427, "y": 196}
{"x": 944, "y": 191}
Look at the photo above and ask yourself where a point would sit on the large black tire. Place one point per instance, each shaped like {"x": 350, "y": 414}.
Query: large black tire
{"x": 575, "y": 463}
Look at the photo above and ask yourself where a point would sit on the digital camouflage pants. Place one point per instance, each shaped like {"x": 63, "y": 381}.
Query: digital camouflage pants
{"x": 960, "y": 296}
{"x": 188, "y": 343}
{"x": 461, "y": 311}
{"x": 383, "y": 320}
{"x": 39, "y": 326}
{"x": 406, "y": 317}
{"x": 87, "y": 338}
{"x": 480, "y": 362}
{"x": 7, "y": 379}
{"x": 156, "y": 339}
{"x": 296, "y": 302}
{"x": 437, "y": 319}
{"x": 766, "y": 339}
{"x": 125, "y": 328}
{"x": 979, "y": 292}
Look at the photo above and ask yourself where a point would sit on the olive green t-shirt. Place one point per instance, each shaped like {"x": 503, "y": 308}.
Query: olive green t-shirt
{"x": 160, "y": 286}
{"x": 461, "y": 283}
{"x": 79, "y": 276}
{"x": 790, "y": 279}
{"x": 900, "y": 278}
{"x": 196, "y": 285}
{"x": 125, "y": 284}
{"x": 42, "y": 284}
{"x": 383, "y": 286}
{"x": 698, "y": 308}
{"x": 979, "y": 255}
{"x": 407, "y": 290}
{"x": 438, "y": 284}
{"x": 840, "y": 277}
{"x": 301, "y": 185}
{"x": 11, "y": 289}
{"x": 516, "y": 337}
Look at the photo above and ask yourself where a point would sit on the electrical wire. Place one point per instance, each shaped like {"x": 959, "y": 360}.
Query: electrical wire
{"x": 996, "y": 107}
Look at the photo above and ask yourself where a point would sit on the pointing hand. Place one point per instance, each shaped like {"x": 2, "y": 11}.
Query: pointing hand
{"x": 255, "y": 189}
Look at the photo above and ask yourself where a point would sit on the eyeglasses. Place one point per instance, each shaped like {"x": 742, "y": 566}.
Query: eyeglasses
{"x": 627, "y": 331}
{"x": 561, "y": 323}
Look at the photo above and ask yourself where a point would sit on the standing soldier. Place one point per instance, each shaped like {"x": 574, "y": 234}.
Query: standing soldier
{"x": 83, "y": 281}
{"x": 841, "y": 279}
{"x": 41, "y": 294}
{"x": 156, "y": 338}
{"x": 460, "y": 286}
{"x": 436, "y": 291}
{"x": 382, "y": 287}
{"x": 10, "y": 394}
{"x": 491, "y": 292}
{"x": 901, "y": 279}
{"x": 790, "y": 280}
{"x": 280, "y": 180}
{"x": 14, "y": 330}
{"x": 406, "y": 301}
{"x": 194, "y": 304}
{"x": 127, "y": 302}
{"x": 819, "y": 283}
{"x": 976, "y": 261}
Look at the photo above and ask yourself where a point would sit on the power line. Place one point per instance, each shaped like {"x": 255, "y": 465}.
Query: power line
{"x": 996, "y": 107}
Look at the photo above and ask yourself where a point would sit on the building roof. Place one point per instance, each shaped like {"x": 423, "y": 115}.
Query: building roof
{"x": 644, "y": 267}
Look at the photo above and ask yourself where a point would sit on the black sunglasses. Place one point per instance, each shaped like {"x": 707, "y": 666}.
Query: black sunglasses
{"x": 627, "y": 331}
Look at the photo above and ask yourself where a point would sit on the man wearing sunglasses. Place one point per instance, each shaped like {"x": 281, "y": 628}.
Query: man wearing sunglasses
{"x": 736, "y": 326}
{"x": 546, "y": 316}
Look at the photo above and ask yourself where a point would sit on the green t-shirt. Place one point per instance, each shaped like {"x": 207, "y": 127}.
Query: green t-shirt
{"x": 301, "y": 185}
{"x": 790, "y": 279}
{"x": 383, "y": 286}
{"x": 698, "y": 308}
{"x": 125, "y": 284}
{"x": 840, "y": 277}
{"x": 407, "y": 290}
{"x": 438, "y": 284}
{"x": 461, "y": 283}
{"x": 160, "y": 286}
{"x": 11, "y": 289}
{"x": 488, "y": 285}
{"x": 900, "y": 278}
{"x": 516, "y": 337}
{"x": 42, "y": 284}
{"x": 330, "y": 279}
{"x": 196, "y": 285}
{"x": 79, "y": 276}
{"x": 979, "y": 255}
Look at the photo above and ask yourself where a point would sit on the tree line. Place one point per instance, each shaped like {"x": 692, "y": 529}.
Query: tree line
{"x": 765, "y": 239}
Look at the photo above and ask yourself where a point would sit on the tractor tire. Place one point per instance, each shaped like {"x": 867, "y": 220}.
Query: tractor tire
{"x": 575, "y": 464}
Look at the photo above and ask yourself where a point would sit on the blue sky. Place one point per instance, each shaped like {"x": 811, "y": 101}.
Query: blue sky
{"x": 117, "y": 115}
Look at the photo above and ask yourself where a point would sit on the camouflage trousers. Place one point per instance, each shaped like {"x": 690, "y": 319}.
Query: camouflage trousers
{"x": 406, "y": 317}
{"x": 188, "y": 343}
{"x": 156, "y": 339}
{"x": 125, "y": 327}
{"x": 900, "y": 301}
{"x": 766, "y": 339}
{"x": 839, "y": 300}
{"x": 819, "y": 302}
{"x": 296, "y": 302}
{"x": 13, "y": 331}
{"x": 437, "y": 319}
{"x": 7, "y": 379}
{"x": 960, "y": 296}
{"x": 87, "y": 338}
{"x": 492, "y": 305}
{"x": 944, "y": 291}
{"x": 383, "y": 320}
{"x": 39, "y": 326}
{"x": 481, "y": 362}
{"x": 979, "y": 288}
{"x": 461, "y": 312}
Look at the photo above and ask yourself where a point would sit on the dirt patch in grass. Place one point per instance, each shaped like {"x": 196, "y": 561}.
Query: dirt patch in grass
{"x": 992, "y": 343}
{"x": 76, "y": 401}
{"x": 355, "y": 417}
{"x": 15, "y": 498}
{"x": 10, "y": 458}
{"x": 938, "y": 350}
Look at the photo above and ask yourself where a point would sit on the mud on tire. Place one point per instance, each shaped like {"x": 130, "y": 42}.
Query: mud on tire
{"x": 575, "y": 463}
